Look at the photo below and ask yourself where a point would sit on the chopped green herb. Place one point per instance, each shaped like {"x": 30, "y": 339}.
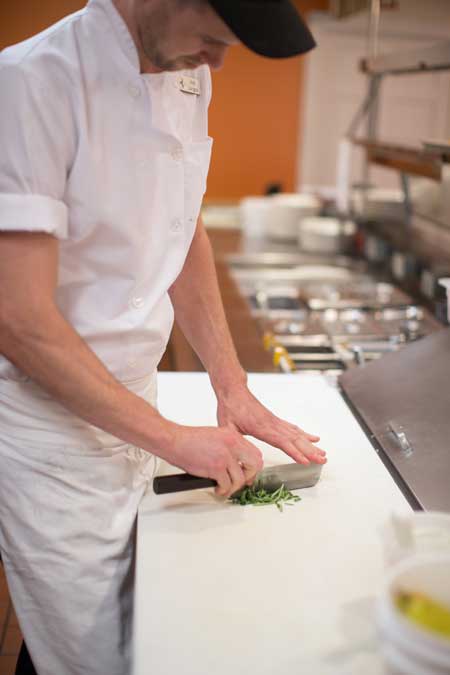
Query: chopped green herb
{"x": 258, "y": 496}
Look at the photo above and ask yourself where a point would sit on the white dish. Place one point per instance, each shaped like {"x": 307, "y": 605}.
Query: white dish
{"x": 287, "y": 210}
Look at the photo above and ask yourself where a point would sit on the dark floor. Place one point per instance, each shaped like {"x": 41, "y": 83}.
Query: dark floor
{"x": 10, "y": 635}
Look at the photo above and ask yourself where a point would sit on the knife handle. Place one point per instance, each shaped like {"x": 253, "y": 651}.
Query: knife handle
{"x": 180, "y": 482}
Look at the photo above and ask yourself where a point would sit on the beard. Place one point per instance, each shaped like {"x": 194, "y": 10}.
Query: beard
{"x": 154, "y": 30}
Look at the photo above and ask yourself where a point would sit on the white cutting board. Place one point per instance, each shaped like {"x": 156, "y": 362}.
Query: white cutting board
{"x": 222, "y": 588}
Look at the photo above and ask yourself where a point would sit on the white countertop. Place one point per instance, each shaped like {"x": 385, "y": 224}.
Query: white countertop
{"x": 222, "y": 588}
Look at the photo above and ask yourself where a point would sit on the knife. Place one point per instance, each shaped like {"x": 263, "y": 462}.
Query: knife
{"x": 293, "y": 476}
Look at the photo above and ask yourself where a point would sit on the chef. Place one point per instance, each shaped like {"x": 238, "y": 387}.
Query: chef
{"x": 103, "y": 165}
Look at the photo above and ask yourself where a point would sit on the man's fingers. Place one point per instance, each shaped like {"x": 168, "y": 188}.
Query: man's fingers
{"x": 311, "y": 437}
{"x": 250, "y": 474}
{"x": 312, "y": 452}
{"x": 237, "y": 477}
{"x": 286, "y": 430}
{"x": 298, "y": 430}
{"x": 319, "y": 451}
{"x": 295, "y": 444}
{"x": 244, "y": 461}
{"x": 305, "y": 444}
{"x": 291, "y": 449}
{"x": 223, "y": 484}
{"x": 251, "y": 461}
{"x": 303, "y": 452}
{"x": 249, "y": 455}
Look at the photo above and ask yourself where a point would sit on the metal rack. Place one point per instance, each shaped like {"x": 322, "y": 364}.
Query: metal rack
{"x": 406, "y": 160}
{"x": 424, "y": 60}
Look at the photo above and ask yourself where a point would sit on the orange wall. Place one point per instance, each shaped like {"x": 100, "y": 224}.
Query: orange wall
{"x": 19, "y": 20}
{"x": 255, "y": 111}
{"x": 255, "y": 120}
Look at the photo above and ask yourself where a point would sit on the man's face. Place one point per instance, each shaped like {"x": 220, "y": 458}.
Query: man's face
{"x": 177, "y": 35}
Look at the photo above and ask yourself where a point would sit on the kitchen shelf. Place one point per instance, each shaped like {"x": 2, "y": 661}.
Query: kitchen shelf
{"x": 439, "y": 148}
{"x": 428, "y": 59}
{"x": 409, "y": 160}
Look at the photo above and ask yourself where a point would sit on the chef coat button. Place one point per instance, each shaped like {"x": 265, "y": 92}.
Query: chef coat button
{"x": 131, "y": 362}
{"x": 134, "y": 90}
{"x": 137, "y": 302}
{"x": 176, "y": 225}
{"x": 177, "y": 154}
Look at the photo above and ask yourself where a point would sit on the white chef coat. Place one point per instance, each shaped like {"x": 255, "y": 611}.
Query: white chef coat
{"x": 113, "y": 163}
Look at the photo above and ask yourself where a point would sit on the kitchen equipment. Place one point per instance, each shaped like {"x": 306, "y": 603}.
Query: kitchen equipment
{"x": 293, "y": 476}
{"x": 403, "y": 400}
{"x": 378, "y": 204}
{"x": 254, "y": 215}
{"x": 277, "y": 301}
{"x": 304, "y": 274}
{"x": 286, "y": 211}
{"x": 325, "y": 235}
{"x": 445, "y": 282}
{"x": 328, "y": 317}
{"x": 265, "y": 259}
{"x": 376, "y": 249}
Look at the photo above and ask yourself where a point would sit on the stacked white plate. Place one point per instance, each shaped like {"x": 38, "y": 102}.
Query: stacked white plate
{"x": 277, "y": 216}
{"x": 254, "y": 215}
{"x": 287, "y": 212}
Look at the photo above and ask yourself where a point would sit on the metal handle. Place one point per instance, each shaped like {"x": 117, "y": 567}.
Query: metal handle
{"x": 400, "y": 436}
{"x": 180, "y": 482}
{"x": 358, "y": 353}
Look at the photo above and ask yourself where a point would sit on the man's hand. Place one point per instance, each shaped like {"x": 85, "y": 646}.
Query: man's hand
{"x": 219, "y": 453}
{"x": 241, "y": 411}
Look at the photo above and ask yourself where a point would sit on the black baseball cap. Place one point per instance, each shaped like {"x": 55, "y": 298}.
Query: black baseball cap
{"x": 271, "y": 28}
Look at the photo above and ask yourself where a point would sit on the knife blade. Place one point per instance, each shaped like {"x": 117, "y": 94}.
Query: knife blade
{"x": 293, "y": 476}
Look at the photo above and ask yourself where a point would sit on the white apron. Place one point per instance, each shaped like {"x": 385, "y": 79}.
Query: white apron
{"x": 67, "y": 529}
{"x": 113, "y": 163}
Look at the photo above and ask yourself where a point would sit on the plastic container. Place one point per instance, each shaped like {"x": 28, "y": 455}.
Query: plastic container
{"x": 445, "y": 282}
{"x": 408, "y": 648}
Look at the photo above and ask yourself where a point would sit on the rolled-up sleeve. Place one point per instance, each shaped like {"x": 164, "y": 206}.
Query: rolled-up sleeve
{"x": 36, "y": 150}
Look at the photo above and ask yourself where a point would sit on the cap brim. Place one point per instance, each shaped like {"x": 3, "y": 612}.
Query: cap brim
{"x": 274, "y": 28}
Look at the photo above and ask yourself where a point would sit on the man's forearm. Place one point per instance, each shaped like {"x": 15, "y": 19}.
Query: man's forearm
{"x": 199, "y": 311}
{"x": 47, "y": 349}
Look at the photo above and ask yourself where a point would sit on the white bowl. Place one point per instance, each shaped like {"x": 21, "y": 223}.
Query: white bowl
{"x": 406, "y": 646}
